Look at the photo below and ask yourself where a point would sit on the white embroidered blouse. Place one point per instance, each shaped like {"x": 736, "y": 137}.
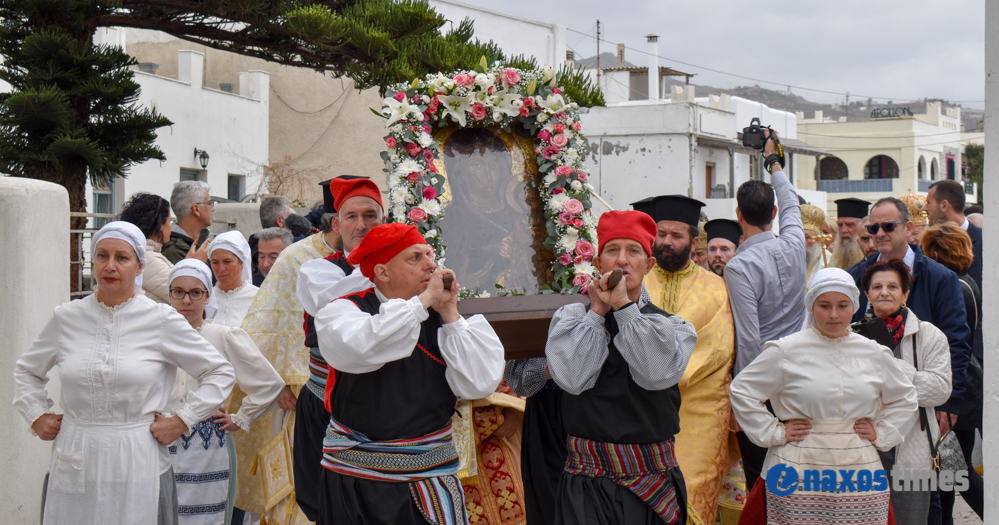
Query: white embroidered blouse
{"x": 234, "y": 304}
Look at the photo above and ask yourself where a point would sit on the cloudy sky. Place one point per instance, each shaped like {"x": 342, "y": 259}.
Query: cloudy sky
{"x": 890, "y": 49}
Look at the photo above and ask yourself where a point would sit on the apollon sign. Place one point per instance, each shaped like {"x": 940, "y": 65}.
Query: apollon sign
{"x": 890, "y": 113}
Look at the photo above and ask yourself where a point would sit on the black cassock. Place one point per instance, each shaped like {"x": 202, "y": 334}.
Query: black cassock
{"x": 543, "y": 454}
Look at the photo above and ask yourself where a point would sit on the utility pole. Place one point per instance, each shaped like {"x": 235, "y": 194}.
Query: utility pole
{"x": 847, "y": 117}
{"x": 598, "y": 55}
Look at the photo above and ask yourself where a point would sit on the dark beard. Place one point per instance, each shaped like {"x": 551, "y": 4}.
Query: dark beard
{"x": 670, "y": 260}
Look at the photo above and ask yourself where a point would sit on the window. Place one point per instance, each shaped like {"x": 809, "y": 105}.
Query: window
{"x": 833, "y": 168}
{"x": 881, "y": 167}
{"x": 933, "y": 169}
{"x": 104, "y": 203}
{"x": 921, "y": 168}
{"x": 189, "y": 175}
{"x": 950, "y": 167}
{"x": 237, "y": 187}
{"x": 709, "y": 178}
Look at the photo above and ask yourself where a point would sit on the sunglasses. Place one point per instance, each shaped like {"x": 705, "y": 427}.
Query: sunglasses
{"x": 888, "y": 227}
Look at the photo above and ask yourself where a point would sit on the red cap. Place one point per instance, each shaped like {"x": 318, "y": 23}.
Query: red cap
{"x": 634, "y": 225}
{"x": 383, "y": 243}
{"x": 345, "y": 189}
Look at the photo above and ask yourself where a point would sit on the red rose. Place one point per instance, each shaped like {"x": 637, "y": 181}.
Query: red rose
{"x": 524, "y": 111}
{"x": 390, "y": 142}
{"x": 565, "y": 259}
{"x": 559, "y": 128}
{"x": 428, "y": 156}
{"x": 560, "y": 115}
{"x": 429, "y": 193}
{"x": 509, "y": 77}
{"x": 427, "y": 129}
{"x": 559, "y": 140}
{"x": 426, "y": 116}
{"x": 413, "y": 149}
{"x": 577, "y": 223}
{"x": 418, "y": 215}
{"x": 544, "y": 135}
{"x": 400, "y": 96}
{"x": 556, "y": 191}
{"x": 478, "y": 111}
{"x": 549, "y": 152}
{"x": 413, "y": 177}
{"x": 576, "y": 126}
{"x": 434, "y": 104}
{"x": 432, "y": 167}
{"x": 557, "y": 91}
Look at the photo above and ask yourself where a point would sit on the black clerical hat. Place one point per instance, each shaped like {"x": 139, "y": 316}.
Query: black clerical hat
{"x": 646, "y": 206}
{"x": 329, "y": 204}
{"x": 678, "y": 208}
{"x": 725, "y": 229}
{"x": 855, "y": 208}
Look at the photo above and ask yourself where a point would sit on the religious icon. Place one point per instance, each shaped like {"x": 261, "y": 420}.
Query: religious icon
{"x": 493, "y": 210}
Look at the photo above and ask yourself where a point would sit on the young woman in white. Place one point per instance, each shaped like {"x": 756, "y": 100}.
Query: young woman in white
{"x": 229, "y": 255}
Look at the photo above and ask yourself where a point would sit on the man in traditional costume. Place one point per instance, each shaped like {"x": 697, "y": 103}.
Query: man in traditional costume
{"x": 847, "y": 250}
{"x": 357, "y": 202}
{"x": 681, "y": 288}
{"x": 724, "y": 236}
{"x": 619, "y": 362}
{"x": 274, "y": 323}
{"x": 816, "y": 256}
{"x": 402, "y": 355}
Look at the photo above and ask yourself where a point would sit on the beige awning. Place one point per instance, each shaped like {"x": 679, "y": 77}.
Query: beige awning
{"x": 790, "y": 146}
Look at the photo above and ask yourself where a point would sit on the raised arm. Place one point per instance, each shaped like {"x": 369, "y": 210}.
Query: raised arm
{"x": 656, "y": 347}
{"x": 356, "y": 342}
{"x": 750, "y": 391}
{"x": 789, "y": 211}
{"x": 526, "y": 377}
{"x": 576, "y": 348}
{"x": 255, "y": 376}
{"x": 474, "y": 357}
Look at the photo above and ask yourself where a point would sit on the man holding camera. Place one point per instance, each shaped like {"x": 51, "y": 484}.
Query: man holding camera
{"x": 766, "y": 278}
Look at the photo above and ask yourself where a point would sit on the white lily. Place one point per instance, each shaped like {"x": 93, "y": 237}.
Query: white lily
{"x": 554, "y": 103}
{"x": 507, "y": 103}
{"x": 400, "y": 111}
{"x": 485, "y": 81}
{"x": 439, "y": 84}
{"x": 457, "y": 107}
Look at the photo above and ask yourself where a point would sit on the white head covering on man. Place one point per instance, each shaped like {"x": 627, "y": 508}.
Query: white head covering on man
{"x": 830, "y": 280}
{"x": 129, "y": 233}
{"x": 233, "y": 241}
{"x": 200, "y": 271}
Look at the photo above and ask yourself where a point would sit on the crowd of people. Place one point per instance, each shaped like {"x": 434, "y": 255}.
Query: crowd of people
{"x": 723, "y": 352}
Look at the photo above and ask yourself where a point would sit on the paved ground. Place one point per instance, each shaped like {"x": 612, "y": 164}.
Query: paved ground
{"x": 963, "y": 515}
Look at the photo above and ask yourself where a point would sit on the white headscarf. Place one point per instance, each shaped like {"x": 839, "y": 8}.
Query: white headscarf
{"x": 200, "y": 271}
{"x": 234, "y": 242}
{"x": 129, "y": 233}
{"x": 830, "y": 280}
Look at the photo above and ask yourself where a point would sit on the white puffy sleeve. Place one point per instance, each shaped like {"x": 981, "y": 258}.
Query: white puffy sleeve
{"x": 31, "y": 398}
{"x": 474, "y": 357}
{"x": 357, "y": 343}
{"x": 185, "y": 348}
{"x": 255, "y": 376}
{"x": 316, "y": 286}
{"x": 751, "y": 389}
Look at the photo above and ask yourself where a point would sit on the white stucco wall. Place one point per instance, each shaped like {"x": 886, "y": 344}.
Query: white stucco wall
{"x": 34, "y": 221}
{"x": 515, "y": 35}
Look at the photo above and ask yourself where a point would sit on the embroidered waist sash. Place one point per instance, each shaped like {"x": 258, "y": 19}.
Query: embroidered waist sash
{"x": 429, "y": 463}
{"x": 642, "y": 469}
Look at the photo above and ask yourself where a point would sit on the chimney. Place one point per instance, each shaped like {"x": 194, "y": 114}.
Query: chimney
{"x": 653, "y": 66}
{"x": 620, "y": 55}
{"x": 570, "y": 58}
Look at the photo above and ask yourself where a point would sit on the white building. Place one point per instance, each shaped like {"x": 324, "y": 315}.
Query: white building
{"x": 230, "y": 128}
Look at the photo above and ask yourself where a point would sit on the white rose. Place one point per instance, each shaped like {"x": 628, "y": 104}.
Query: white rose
{"x": 588, "y": 186}
{"x": 576, "y": 185}
{"x": 410, "y": 199}
{"x": 426, "y": 99}
{"x": 572, "y": 232}
{"x": 484, "y": 81}
{"x": 518, "y": 103}
{"x": 430, "y": 234}
{"x": 433, "y": 180}
{"x": 542, "y": 117}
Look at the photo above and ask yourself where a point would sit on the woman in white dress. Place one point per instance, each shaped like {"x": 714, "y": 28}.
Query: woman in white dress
{"x": 118, "y": 353}
{"x": 229, "y": 254}
{"x": 837, "y": 399}
{"x": 205, "y": 454}
{"x": 924, "y": 354}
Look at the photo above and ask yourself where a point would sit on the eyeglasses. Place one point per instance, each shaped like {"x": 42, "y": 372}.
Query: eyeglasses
{"x": 178, "y": 294}
{"x": 211, "y": 202}
{"x": 888, "y": 227}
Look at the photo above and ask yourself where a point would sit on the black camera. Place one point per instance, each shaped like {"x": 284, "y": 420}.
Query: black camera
{"x": 752, "y": 136}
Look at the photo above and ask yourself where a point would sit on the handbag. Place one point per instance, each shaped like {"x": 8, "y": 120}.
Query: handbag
{"x": 946, "y": 452}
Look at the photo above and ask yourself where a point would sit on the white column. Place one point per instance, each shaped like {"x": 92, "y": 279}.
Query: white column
{"x": 990, "y": 283}
{"x": 653, "y": 66}
{"x": 191, "y": 67}
{"x": 34, "y": 233}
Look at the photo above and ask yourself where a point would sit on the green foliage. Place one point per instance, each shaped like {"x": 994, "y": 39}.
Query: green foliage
{"x": 974, "y": 157}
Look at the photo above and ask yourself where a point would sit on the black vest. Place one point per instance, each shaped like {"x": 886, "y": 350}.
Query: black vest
{"x": 616, "y": 409}
{"x": 403, "y": 399}
{"x": 340, "y": 260}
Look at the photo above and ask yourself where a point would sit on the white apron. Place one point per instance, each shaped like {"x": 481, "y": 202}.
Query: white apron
{"x": 107, "y": 473}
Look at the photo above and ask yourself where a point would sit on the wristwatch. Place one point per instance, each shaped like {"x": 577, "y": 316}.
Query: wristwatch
{"x": 770, "y": 161}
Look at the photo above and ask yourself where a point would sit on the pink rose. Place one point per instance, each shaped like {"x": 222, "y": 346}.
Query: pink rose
{"x": 509, "y": 77}
{"x": 426, "y": 116}
{"x": 565, "y": 259}
{"x": 413, "y": 177}
{"x": 576, "y": 126}
{"x": 463, "y": 80}
{"x": 582, "y": 280}
{"x": 577, "y": 223}
{"x": 390, "y": 142}
{"x": 556, "y": 191}
{"x": 559, "y": 140}
{"x": 578, "y": 260}
{"x": 429, "y": 193}
{"x": 434, "y": 104}
{"x": 563, "y": 171}
{"x": 573, "y": 206}
{"x": 549, "y": 152}
{"x": 557, "y": 91}
{"x": 537, "y": 150}
{"x": 432, "y": 167}
{"x": 400, "y": 96}
{"x": 584, "y": 249}
{"x": 582, "y": 176}
{"x": 545, "y": 135}
{"x": 413, "y": 149}
{"x": 560, "y": 115}
{"x": 524, "y": 111}
{"x": 427, "y": 129}
{"x": 478, "y": 111}
{"x": 559, "y": 128}
{"x": 428, "y": 155}
{"x": 565, "y": 218}
{"x": 418, "y": 215}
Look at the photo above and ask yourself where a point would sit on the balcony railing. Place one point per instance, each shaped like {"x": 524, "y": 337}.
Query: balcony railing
{"x": 856, "y": 186}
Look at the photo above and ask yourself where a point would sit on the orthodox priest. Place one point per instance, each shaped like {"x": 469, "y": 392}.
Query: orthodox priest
{"x": 816, "y": 256}
{"x": 358, "y": 205}
{"x": 402, "y": 355}
{"x": 724, "y": 237}
{"x": 684, "y": 289}
{"x": 619, "y": 361}
{"x": 274, "y": 323}
{"x": 847, "y": 250}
